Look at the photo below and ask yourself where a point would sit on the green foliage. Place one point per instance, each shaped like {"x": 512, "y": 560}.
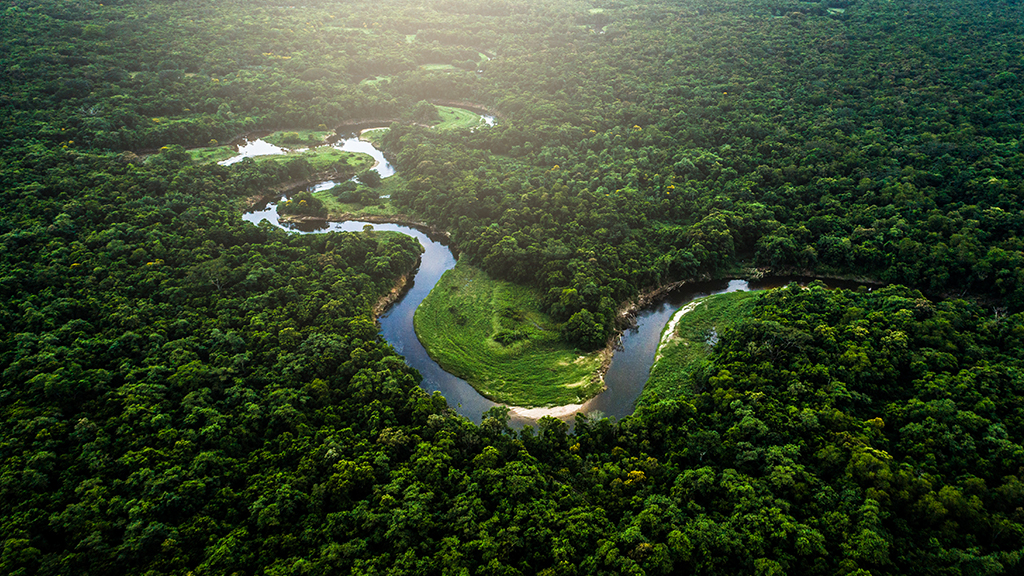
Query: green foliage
{"x": 425, "y": 113}
{"x": 370, "y": 177}
{"x": 184, "y": 392}
{"x": 584, "y": 330}
{"x": 302, "y": 204}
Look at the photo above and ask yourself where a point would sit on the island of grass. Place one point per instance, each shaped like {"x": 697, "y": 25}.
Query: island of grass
{"x": 689, "y": 338}
{"x": 297, "y": 138}
{"x": 350, "y": 199}
{"x": 493, "y": 334}
{"x": 324, "y": 158}
{"x": 374, "y": 135}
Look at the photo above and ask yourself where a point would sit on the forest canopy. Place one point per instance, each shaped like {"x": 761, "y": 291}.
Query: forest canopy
{"x": 186, "y": 392}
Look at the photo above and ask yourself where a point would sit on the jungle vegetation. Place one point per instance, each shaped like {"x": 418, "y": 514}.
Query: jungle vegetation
{"x": 184, "y": 392}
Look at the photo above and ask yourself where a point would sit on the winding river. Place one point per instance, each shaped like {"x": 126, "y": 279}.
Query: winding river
{"x": 630, "y": 365}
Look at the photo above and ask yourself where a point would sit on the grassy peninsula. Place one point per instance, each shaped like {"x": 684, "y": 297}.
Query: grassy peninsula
{"x": 688, "y": 340}
{"x": 457, "y": 118}
{"x": 493, "y": 334}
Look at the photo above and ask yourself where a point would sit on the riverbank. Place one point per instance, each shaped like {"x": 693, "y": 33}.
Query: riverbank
{"x": 396, "y": 292}
{"x": 689, "y": 338}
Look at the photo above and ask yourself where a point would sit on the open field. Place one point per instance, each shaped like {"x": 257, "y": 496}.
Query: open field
{"x": 211, "y": 154}
{"x": 297, "y": 138}
{"x": 493, "y": 334}
{"x": 457, "y": 119}
{"x": 692, "y": 340}
{"x": 334, "y": 207}
{"x": 374, "y": 136}
{"x": 324, "y": 157}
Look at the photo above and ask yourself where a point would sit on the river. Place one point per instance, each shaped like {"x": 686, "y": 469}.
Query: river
{"x": 629, "y": 368}
{"x": 252, "y": 147}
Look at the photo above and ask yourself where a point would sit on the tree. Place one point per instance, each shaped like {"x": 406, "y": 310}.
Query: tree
{"x": 583, "y": 330}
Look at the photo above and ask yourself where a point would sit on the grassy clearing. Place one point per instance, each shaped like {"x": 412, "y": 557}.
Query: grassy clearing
{"x": 494, "y": 335}
{"x": 374, "y": 136}
{"x": 375, "y": 80}
{"x": 336, "y": 208}
{"x": 437, "y": 67}
{"x": 695, "y": 335}
{"x": 384, "y": 208}
{"x": 211, "y": 154}
{"x": 457, "y": 119}
{"x": 325, "y": 157}
{"x": 297, "y": 138}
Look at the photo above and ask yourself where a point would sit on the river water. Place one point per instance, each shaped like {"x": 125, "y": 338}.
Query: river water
{"x": 250, "y": 148}
{"x": 626, "y": 374}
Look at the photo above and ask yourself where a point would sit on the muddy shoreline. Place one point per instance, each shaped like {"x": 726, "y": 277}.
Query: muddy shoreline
{"x": 396, "y": 292}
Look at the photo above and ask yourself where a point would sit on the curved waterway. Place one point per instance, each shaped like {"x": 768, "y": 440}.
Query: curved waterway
{"x": 253, "y": 147}
{"x": 627, "y": 373}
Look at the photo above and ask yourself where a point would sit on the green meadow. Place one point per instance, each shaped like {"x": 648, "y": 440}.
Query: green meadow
{"x": 493, "y": 334}
{"x": 374, "y": 135}
{"x": 383, "y": 207}
{"x": 692, "y": 341}
{"x": 457, "y": 119}
{"x": 324, "y": 157}
{"x": 297, "y": 138}
{"x": 211, "y": 154}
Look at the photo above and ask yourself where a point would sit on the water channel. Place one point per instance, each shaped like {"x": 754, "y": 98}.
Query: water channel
{"x": 630, "y": 365}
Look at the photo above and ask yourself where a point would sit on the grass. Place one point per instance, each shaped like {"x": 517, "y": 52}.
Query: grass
{"x": 374, "y": 136}
{"x": 324, "y": 157}
{"x": 211, "y": 154}
{"x": 458, "y": 324}
{"x": 437, "y": 67}
{"x": 297, "y": 138}
{"x": 385, "y": 208}
{"x": 320, "y": 158}
{"x": 375, "y": 80}
{"x": 457, "y": 119}
{"x": 695, "y": 334}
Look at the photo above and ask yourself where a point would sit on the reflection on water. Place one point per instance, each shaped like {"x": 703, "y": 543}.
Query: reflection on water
{"x": 260, "y": 147}
{"x": 268, "y": 211}
{"x": 354, "y": 144}
{"x": 253, "y": 148}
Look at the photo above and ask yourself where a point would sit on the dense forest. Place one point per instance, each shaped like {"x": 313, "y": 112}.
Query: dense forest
{"x": 184, "y": 392}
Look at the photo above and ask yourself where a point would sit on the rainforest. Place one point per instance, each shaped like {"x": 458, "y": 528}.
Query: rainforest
{"x": 198, "y": 374}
